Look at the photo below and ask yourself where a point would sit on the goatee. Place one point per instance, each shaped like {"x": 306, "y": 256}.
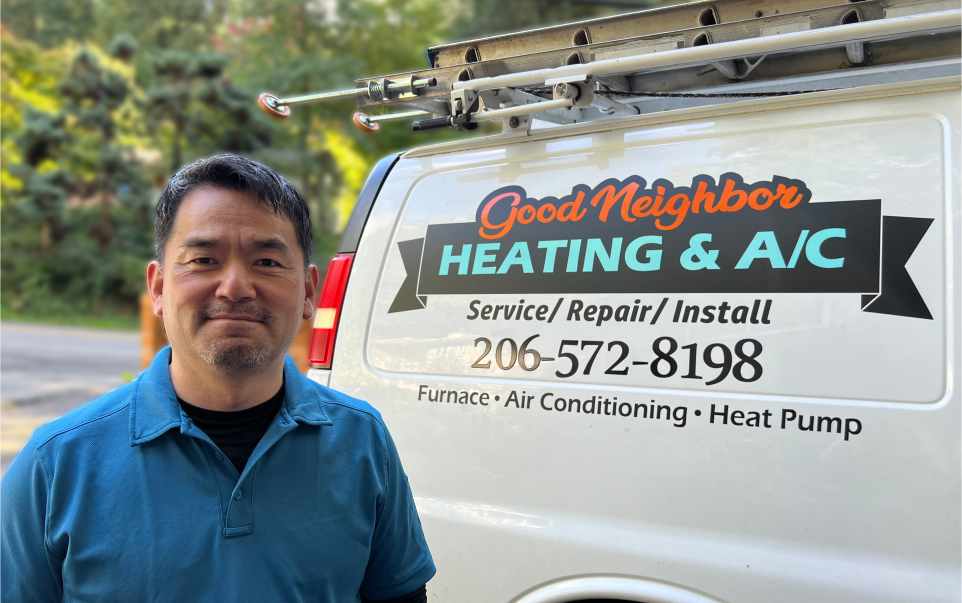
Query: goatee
{"x": 235, "y": 354}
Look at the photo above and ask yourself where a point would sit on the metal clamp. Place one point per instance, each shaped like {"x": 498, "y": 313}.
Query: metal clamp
{"x": 463, "y": 101}
{"x": 581, "y": 91}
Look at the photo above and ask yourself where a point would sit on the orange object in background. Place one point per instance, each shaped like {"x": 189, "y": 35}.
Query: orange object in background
{"x": 153, "y": 337}
{"x": 301, "y": 345}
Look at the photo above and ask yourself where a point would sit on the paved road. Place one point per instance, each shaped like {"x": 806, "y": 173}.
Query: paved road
{"x": 45, "y": 372}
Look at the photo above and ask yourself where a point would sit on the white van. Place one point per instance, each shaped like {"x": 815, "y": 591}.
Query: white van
{"x": 706, "y": 352}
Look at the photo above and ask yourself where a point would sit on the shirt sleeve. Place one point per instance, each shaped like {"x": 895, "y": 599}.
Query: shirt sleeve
{"x": 31, "y": 572}
{"x": 400, "y": 561}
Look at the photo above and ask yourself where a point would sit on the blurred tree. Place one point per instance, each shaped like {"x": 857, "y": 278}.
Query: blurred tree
{"x": 170, "y": 101}
{"x": 185, "y": 25}
{"x": 93, "y": 94}
{"x": 49, "y": 23}
{"x": 33, "y": 130}
{"x": 299, "y": 46}
{"x": 491, "y": 17}
{"x": 196, "y": 102}
{"x": 88, "y": 137}
{"x": 28, "y": 81}
{"x": 45, "y": 183}
{"x": 73, "y": 174}
{"x": 229, "y": 120}
{"x": 123, "y": 47}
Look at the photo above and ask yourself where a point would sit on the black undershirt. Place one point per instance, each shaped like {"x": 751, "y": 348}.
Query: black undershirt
{"x": 236, "y": 433}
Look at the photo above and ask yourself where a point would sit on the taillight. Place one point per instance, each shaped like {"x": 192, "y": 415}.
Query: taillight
{"x": 329, "y": 311}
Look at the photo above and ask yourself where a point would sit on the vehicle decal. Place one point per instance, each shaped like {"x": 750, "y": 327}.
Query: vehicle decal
{"x": 625, "y": 236}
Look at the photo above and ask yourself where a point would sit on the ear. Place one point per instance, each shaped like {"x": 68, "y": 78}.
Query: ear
{"x": 155, "y": 286}
{"x": 311, "y": 291}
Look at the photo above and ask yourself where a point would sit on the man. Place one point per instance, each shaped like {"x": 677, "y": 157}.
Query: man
{"x": 221, "y": 473}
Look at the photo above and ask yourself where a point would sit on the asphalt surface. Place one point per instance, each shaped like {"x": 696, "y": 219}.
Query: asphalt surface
{"x": 46, "y": 371}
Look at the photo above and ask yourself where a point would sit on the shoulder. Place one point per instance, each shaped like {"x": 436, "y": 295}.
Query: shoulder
{"x": 342, "y": 404}
{"x": 339, "y": 404}
{"x": 111, "y": 407}
{"x": 349, "y": 418}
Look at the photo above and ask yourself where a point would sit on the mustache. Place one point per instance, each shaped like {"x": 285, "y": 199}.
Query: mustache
{"x": 245, "y": 309}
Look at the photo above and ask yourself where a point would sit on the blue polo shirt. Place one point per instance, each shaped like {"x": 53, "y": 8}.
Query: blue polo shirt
{"x": 125, "y": 499}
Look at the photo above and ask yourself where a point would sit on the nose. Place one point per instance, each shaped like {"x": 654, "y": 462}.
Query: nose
{"x": 237, "y": 282}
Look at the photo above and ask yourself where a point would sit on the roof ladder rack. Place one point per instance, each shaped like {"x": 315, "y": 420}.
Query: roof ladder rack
{"x": 607, "y": 68}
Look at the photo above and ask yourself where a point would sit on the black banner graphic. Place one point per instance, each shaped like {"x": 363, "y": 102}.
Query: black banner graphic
{"x": 621, "y": 237}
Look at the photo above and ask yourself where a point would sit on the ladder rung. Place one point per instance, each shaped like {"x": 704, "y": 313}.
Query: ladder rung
{"x": 868, "y": 10}
{"x": 631, "y": 25}
{"x": 843, "y": 34}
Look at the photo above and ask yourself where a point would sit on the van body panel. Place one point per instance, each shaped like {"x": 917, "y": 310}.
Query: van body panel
{"x": 822, "y": 464}
{"x": 355, "y": 226}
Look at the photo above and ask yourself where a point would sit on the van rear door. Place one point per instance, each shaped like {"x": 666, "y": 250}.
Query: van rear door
{"x": 717, "y": 349}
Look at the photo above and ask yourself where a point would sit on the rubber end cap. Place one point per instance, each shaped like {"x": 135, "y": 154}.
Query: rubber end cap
{"x": 362, "y": 121}
{"x": 280, "y": 112}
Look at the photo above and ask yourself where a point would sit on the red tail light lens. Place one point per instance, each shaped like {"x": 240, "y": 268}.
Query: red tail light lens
{"x": 329, "y": 311}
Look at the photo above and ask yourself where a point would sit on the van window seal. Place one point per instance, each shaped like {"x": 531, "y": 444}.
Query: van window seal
{"x": 365, "y": 201}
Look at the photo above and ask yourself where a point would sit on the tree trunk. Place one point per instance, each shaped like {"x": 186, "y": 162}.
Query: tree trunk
{"x": 45, "y": 235}
{"x": 104, "y": 230}
{"x": 176, "y": 151}
{"x": 308, "y": 191}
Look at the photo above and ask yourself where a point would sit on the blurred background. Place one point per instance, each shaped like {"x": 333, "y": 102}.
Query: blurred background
{"x": 102, "y": 100}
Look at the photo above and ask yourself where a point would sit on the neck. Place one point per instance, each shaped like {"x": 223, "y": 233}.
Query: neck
{"x": 212, "y": 388}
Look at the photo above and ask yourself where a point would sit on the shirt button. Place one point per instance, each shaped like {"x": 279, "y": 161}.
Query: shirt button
{"x": 238, "y": 494}
{"x": 220, "y": 457}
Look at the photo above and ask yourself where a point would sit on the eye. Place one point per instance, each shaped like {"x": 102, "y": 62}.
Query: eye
{"x": 204, "y": 261}
{"x": 267, "y": 262}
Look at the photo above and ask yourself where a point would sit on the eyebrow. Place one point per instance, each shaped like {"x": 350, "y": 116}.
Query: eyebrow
{"x": 199, "y": 243}
{"x": 272, "y": 243}
{"x": 260, "y": 244}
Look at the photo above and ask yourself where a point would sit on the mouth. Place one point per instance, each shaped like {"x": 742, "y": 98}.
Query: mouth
{"x": 234, "y": 318}
{"x": 237, "y": 318}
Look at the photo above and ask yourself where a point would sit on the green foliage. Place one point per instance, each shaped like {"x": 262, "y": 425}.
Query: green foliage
{"x": 28, "y": 81}
{"x": 76, "y": 275}
{"x": 123, "y": 47}
{"x": 190, "y": 99}
{"x": 493, "y": 17}
{"x": 109, "y": 319}
{"x": 103, "y": 99}
{"x": 49, "y": 23}
{"x": 76, "y": 228}
{"x": 42, "y": 134}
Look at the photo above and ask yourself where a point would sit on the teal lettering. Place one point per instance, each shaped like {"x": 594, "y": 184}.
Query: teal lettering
{"x": 518, "y": 256}
{"x": 763, "y": 247}
{"x": 653, "y": 255}
{"x": 573, "y": 252}
{"x": 697, "y": 257}
{"x": 798, "y": 248}
{"x": 813, "y": 249}
{"x": 596, "y": 249}
{"x": 461, "y": 260}
{"x": 551, "y": 248}
{"x": 482, "y": 257}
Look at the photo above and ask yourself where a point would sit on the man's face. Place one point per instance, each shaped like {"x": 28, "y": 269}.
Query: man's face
{"x": 233, "y": 289}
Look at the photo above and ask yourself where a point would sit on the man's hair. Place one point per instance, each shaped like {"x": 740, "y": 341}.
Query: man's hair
{"x": 235, "y": 173}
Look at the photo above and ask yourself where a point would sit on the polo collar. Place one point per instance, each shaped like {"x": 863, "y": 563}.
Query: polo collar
{"x": 303, "y": 399}
{"x": 154, "y": 409}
